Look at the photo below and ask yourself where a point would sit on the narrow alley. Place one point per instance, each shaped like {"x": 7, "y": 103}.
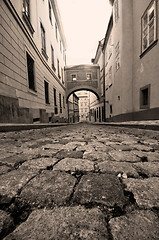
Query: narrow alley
{"x": 80, "y": 181}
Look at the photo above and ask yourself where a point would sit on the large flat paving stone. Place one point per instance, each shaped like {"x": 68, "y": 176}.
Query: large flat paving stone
{"x": 62, "y": 224}
{"x": 6, "y": 222}
{"x": 48, "y": 188}
{"x": 150, "y": 169}
{"x": 71, "y": 146}
{"x": 38, "y": 164}
{"x": 73, "y": 164}
{"x": 96, "y": 156}
{"x": 138, "y": 225}
{"x": 124, "y": 156}
{"x": 147, "y": 156}
{"x": 12, "y": 182}
{"x": 100, "y": 188}
{"x": 117, "y": 167}
{"x": 146, "y": 191}
{"x": 68, "y": 154}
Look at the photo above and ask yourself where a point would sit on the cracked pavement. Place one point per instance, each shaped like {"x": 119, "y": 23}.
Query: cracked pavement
{"x": 79, "y": 182}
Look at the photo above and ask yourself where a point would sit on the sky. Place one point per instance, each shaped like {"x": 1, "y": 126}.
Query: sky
{"x": 85, "y": 23}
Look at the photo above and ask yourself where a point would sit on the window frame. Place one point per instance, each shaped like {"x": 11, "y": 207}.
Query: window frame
{"x": 60, "y": 102}
{"x": 55, "y": 101}
{"x": 43, "y": 41}
{"x": 34, "y": 82}
{"x": 50, "y": 10}
{"x": 148, "y": 11}
{"x": 46, "y": 90}
{"x": 53, "y": 58}
{"x": 72, "y": 78}
{"x": 26, "y": 15}
{"x": 145, "y": 106}
{"x": 89, "y": 78}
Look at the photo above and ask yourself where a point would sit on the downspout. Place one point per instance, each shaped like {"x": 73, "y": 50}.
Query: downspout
{"x": 104, "y": 96}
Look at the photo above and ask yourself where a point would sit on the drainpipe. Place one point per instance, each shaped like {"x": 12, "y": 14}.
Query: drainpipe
{"x": 104, "y": 97}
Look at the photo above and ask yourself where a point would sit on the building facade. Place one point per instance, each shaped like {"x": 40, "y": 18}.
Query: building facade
{"x": 33, "y": 56}
{"x": 73, "y": 108}
{"x": 97, "y": 106}
{"x": 84, "y": 105}
{"x": 131, "y": 61}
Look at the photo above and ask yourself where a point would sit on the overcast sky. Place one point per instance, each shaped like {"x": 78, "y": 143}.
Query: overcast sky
{"x": 85, "y": 23}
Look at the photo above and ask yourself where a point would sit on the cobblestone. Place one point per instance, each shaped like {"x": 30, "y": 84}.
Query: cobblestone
{"x": 79, "y": 182}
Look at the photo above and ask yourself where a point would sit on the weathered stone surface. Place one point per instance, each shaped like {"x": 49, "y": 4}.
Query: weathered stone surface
{"x": 62, "y": 224}
{"x": 68, "y": 154}
{"x": 123, "y": 156}
{"x": 4, "y": 169}
{"x": 49, "y": 188}
{"x": 138, "y": 225}
{"x": 118, "y": 167}
{"x": 38, "y": 164}
{"x": 120, "y": 147}
{"x": 147, "y": 156}
{"x": 150, "y": 169}
{"x": 142, "y": 147}
{"x": 6, "y": 223}
{"x": 71, "y": 146}
{"x": 96, "y": 156}
{"x": 15, "y": 160}
{"x": 12, "y": 182}
{"x": 73, "y": 164}
{"x": 100, "y": 188}
{"x": 146, "y": 191}
{"x": 53, "y": 146}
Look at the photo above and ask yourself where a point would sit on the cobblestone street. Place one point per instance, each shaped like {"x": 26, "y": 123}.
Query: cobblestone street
{"x": 79, "y": 181}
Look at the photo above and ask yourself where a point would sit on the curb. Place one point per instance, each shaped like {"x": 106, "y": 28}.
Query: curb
{"x": 20, "y": 127}
{"x": 128, "y": 125}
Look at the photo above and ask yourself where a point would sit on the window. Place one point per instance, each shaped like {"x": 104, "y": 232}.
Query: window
{"x": 52, "y": 58}
{"x": 110, "y": 75}
{"x": 56, "y": 31}
{"x": 63, "y": 101}
{"x": 43, "y": 41}
{"x": 26, "y": 15}
{"x": 116, "y": 10}
{"x": 74, "y": 77}
{"x": 58, "y": 68}
{"x": 50, "y": 16}
{"x": 111, "y": 109}
{"x": 149, "y": 26}
{"x": 26, "y": 8}
{"x": 46, "y": 87}
{"x": 60, "y": 102}
{"x": 145, "y": 97}
{"x": 117, "y": 58}
{"x": 30, "y": 68}
{"x": 62, "y": 75}
{"x": 89, "y": 77}
{"x": 85, "y": 109}
{"x": 55, "y": 102}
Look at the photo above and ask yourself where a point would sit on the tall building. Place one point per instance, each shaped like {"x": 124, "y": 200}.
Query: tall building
{"x": 33, "y": 56}
{"x": 84, "y": 105}
{"x": 130, "y": 61}
{"x": 73, "y": 108}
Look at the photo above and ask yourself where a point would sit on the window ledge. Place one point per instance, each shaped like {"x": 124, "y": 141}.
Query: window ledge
{"x": 53, "y": 67}
{"x": 144, "y": 107}
{"x": 27, "y": 21}
{"x": 34, "y": 92}
{"x": 149, "y": 48}
{"x": 44, "y": 54}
